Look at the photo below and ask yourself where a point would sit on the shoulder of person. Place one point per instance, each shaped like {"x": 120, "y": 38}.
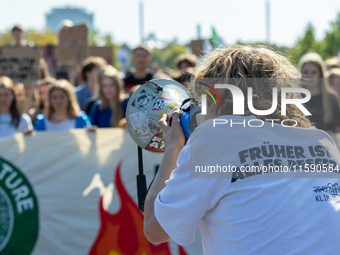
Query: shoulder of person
{"x": 95, "y": 111}
{"x": 125, "y": 100}
{"x": 95, "y": 105}
{"x": 79, "y": 88}
{"x": 128, "y": 74}
{"x": 92, "y": 99}
{"x": 97, "y": 102}
{"x": 82, "y": 120}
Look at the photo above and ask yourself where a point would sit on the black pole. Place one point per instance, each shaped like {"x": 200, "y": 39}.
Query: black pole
{"x": 141, "y": 181}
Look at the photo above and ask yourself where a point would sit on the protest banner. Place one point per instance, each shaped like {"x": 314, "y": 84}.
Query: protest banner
{"x": 75, "y": 193}
{"x": 20, "y": 64}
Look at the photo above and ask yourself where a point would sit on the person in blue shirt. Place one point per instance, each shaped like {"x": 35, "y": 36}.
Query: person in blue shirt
{"x": 62, "y": 111}
{"x": 11, "y": 119}
{"x": 109, "y": 109}
{"x": 90, "y": 71}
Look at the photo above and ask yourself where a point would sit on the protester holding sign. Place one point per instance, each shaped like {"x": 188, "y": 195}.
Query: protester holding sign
{"x": 11, "y": 120}
{"x": 109, "y": 110}
{"x": 324, "y": 104}
{"x": 62, "y": 111}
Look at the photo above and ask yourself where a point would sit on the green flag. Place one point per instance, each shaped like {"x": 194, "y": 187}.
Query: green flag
{"x": 216, "y": 40}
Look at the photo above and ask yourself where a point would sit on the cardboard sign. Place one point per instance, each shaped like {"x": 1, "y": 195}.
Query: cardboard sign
{"x": 200, "y": 47}
{"x": 20, "y": 64}
{"x": 123, "y": 57}
{"x": 105, "y": 52}
{"x": 72, "y": 43}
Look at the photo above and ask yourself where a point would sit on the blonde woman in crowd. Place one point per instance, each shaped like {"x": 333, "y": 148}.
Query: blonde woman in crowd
{"x": 324, "y": 103}
{"x": 62, "y": 110}
{"x": 334, "y": 79}
{"x": 109, "y": 110}
{"x": 333, "y": 62}
{"x": 11, "y": 119}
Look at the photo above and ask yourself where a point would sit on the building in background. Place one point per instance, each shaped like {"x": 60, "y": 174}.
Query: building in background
{"x": 57, "y": 16}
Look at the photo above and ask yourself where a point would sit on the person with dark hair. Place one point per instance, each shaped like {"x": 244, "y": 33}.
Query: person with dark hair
{"x": 18, "y": 37}
{"x": 61, "y": 75}
{"x": 185, "y": 77}
{"x": 11, "y": 120}
{"x": 185, "y": 64}
{"x": 141, "y": 58}
{"x": 185, "y": 61}
{"x": 89, "y": 72}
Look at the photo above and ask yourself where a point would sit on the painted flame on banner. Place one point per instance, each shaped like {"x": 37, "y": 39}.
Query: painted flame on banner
{"x": 122, "y": 233}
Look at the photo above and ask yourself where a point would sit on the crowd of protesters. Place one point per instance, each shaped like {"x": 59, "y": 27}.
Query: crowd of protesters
{"x": 53, "y": 104}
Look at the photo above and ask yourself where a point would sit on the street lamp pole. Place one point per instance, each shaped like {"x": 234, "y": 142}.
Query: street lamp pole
{"x": 141, "y": 20}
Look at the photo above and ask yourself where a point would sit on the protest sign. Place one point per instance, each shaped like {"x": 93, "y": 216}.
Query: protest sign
{"x": 20, "y": 64}
{"x": 72, "y": 43}
{"x": 200, "y": 47}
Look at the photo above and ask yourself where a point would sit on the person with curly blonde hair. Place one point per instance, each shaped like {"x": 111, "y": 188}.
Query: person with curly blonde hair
{"x": 62, "y": 111}
{"x": 246, "y": 180}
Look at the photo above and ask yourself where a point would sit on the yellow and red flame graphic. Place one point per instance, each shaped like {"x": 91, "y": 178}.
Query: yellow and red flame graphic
{"x": 122, "y": 233}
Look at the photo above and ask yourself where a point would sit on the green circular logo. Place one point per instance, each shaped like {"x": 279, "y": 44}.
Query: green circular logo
{"x": 19, "y": 224}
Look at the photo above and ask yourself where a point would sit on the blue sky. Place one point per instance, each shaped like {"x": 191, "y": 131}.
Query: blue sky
{"x": 233, "y": 20}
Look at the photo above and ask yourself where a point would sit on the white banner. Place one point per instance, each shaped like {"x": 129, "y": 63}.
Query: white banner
{"x": 75, "y": 193}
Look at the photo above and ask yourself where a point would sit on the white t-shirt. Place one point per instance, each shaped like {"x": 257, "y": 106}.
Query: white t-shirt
{"x": 238, "y": 213}
{"x": 6, "y": 127}
{"x": 66, "y": 124}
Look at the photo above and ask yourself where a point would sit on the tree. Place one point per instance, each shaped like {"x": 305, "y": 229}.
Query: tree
{"x": 166, "y": 57}
{"x": 329, "y": 46}
{"x": 43, "y": 37}
{"x": 305, "y": 44}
